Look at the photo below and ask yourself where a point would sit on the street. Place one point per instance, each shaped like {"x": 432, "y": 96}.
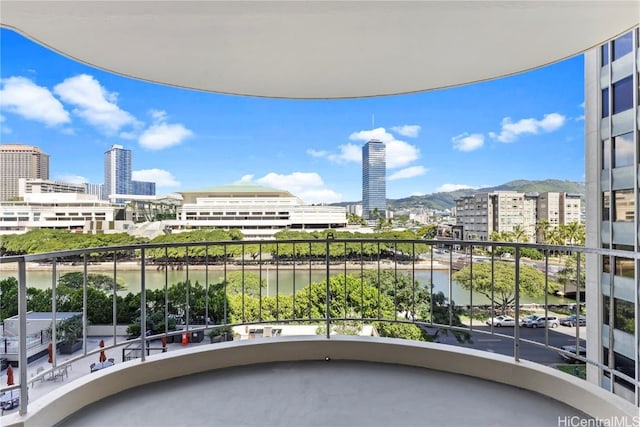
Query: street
{"x": 494, "y": 343}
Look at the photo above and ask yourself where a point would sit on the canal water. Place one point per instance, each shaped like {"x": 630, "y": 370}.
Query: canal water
{"x": 283, "y": 281}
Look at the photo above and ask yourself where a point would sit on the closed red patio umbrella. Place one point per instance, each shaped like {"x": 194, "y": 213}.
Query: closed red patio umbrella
{"x": 10, "y": 375}
{"x": 50, "y": 350}
{"x": 103, "y": 357}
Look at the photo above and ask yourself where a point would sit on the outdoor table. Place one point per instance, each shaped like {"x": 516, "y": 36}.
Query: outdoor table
{"x": 9, "y": 400}
{"x": 101, "y": 365}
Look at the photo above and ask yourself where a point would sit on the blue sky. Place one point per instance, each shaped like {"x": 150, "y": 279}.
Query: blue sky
{"x": 527, "y": 126}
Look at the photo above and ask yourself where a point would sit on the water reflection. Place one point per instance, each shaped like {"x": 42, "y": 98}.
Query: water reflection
{"x": 278, "y": 281}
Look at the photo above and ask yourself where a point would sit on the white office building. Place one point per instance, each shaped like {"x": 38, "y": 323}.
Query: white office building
{"x": 83, "y": 213}
{"x": 259, "y": 212}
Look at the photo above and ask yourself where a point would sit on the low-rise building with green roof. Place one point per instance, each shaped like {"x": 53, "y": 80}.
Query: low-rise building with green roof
{"x": 257, "y": 211}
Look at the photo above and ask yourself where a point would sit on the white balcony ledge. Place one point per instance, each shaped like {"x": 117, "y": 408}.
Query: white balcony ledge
{"x": 183, "y": 386}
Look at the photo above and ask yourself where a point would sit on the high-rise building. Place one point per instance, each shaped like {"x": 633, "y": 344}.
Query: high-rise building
{"x": 481, "y": 214}
{"x": 374, "y": 182}
{"x": 117, "y": 171}
{"x": 95, "y": 189}
{"x": 20, "y": 161}
{"x": 143, "y": 188}
{"x": 612, "y": 214}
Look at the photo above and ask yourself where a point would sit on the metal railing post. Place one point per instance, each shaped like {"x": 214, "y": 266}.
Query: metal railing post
{"x": 328, "y": 297}
{"x": 516, "y": 329}
{"x": 22, "y": 342}
{"x": 85, "y": 313}
{"x": 143, "y": 306}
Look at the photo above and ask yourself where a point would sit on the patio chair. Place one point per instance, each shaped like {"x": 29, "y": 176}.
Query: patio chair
{"x": 33, "y": 375}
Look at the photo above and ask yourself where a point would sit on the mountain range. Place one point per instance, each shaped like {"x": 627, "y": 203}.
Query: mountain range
{"x": 446, "y": 200}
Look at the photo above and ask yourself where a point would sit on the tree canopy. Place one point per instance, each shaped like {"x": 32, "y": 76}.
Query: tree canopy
{"x": 532, "y": 282}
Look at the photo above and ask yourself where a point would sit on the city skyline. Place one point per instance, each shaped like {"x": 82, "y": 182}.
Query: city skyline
{"x": 181, "y": 139}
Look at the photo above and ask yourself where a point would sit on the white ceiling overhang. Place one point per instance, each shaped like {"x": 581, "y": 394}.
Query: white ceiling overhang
{"x": 318, "y": 49}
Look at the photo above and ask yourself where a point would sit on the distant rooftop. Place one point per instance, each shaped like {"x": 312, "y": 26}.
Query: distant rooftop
{"x": 239, "y": 190}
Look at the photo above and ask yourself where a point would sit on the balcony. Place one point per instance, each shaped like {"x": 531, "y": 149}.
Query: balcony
{"x": 353, "y": 332}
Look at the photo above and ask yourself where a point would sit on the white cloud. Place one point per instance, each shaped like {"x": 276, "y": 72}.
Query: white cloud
{"x": 246, "y": 179}
{"x": 348, "y": 153}
{"x": 409, "y": 172}
{"x": 512, "y": 130}
{"x": 316, "y": 153}
{"x": 94, "y": 103}
{"x": 162, "y": 135}
{"x": 410, "y": 131}
{"x": 23, "y": 97}
{"x": 380, "y": 134}
{"x": 157, "y": 137}
{"x": 466, "y": 142}
{"x": 308, "y": 186}
{"x": 72, "y": 179}
{"x": 398, "y": 153}
{"x": 445, "y": 188}
{"x": 158, "y": 115}
{"x": 161, "y": 177}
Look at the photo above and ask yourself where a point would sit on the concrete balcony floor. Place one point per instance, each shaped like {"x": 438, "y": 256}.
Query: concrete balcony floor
{"x": 321, "y": 393}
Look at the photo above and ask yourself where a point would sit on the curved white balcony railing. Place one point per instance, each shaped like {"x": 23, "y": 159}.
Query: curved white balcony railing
{"x": 356, "y": 282}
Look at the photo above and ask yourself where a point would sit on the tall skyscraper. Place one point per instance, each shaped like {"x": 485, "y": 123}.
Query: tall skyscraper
{"x": 117, "y": 171}
{"x": 613, "y": 218}
{"x": 20, "y": 161}
{"x": 374, "y": 181}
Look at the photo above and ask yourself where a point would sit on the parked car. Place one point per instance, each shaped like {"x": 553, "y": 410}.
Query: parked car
{"x": 528, "y": 320}
{"x": 501, "y": 320}
{"x": 541, "y": 321}
{"x": 572, "y": 349}
{"x": 571, "y": 320}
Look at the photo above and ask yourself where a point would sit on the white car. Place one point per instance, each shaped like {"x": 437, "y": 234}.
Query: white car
{"x": 572, "y": 349}
{"x": 502, "y": 320}
{"x": 528, "y": 321}
{"x": 540, "y": 321}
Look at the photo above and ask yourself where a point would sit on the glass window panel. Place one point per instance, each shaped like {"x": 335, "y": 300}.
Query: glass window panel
{"x": 624, "y": 316}
{"x": 623, "y": 95}
{"x": 604, "y": 52}
{"x": 605, "y": 102}
{"x": 623, "y": 209}
{"x": 622, "y": 45}
{"x": 625, "y": 267}
{"x": 606, "y": 205}
{"x": 605, "y": 310}
{"x": 626, "y": 366}
{"x": 606, "y": 266}
{"x": 606, "y": 154}
{"x": 619, "y": 247}
{"x": 623, "y": 147}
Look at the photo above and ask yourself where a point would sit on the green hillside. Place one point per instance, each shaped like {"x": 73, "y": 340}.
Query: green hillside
{"x": 442, "y": 201}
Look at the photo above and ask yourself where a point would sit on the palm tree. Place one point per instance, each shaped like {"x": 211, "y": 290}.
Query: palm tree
{"x": 573, "y": 233}
{"x": 542, "y": 228}
{"x": 520, "y": 234}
